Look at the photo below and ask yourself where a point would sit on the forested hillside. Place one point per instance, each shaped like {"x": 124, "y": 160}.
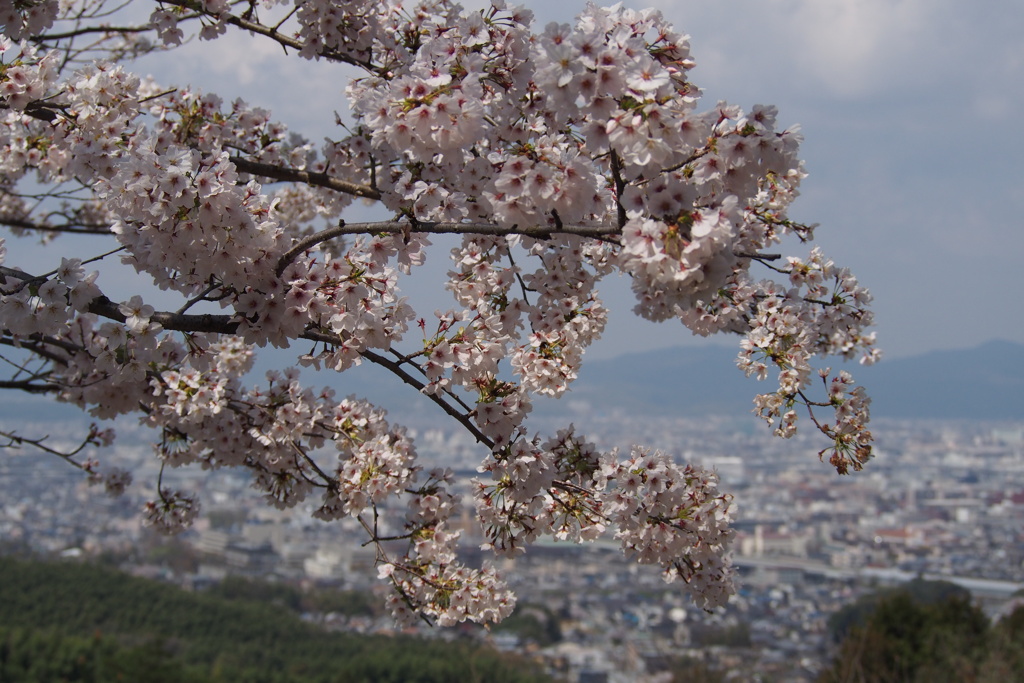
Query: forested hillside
{"x": 74, "y": 622}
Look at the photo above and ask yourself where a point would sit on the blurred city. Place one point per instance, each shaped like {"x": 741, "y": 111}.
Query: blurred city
{"x": 942, "y": 500}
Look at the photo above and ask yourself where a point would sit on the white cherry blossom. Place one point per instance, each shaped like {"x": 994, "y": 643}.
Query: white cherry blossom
{"x": 560, "y": 155}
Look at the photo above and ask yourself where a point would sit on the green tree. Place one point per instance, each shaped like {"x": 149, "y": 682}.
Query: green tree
{"x": 932, "y": 635}
{"x": 533, "y": 623}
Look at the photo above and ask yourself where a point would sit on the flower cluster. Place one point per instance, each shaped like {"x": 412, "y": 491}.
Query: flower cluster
{"x": 24, "y": 76}
{"x": 673, "y": 516}
{"x": 662, "y": 513}
{"x": 561, "y": 157}
{"x": 24, "y": 18}
{"x": 172, "y": 513}
{"x": 824, "y": 312}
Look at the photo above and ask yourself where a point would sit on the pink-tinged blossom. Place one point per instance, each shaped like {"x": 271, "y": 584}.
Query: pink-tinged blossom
{"x": 575, "y": 152}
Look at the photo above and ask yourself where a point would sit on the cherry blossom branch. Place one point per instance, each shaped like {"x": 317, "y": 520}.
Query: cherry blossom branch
{"x": 178, "y": 322}
{"x": 441, "y": 228}
{"x": 519, "y": 276}
{"x": 308, "y": 177}
{"x": 286, "y": 17}
{"x": 38, "y": 109}
{"x": 93, "y": 438}
{"x": 28, "y": 386}
{"x": 23, "y": 277}
{"x": 399, "y": 372}
{"x": 80, "y": 229}
{"x": 224, "y": 324}
{"x": 23, "y": 369}
{"x": 90, "y": 29}
{"x": 202, "y": 296}
{"x": 704, "y": 151}
{"x": 407, "y": 359}
{"x": 34, "y": 343}
{"x": 27, "y": 279}
{"x": 272, "y": 33}
{"x": 445, "y": 228}
{"x": 763, "y": 260}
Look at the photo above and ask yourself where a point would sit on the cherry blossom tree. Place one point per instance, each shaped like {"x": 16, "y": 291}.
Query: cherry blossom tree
{"x": 559, "y": 155}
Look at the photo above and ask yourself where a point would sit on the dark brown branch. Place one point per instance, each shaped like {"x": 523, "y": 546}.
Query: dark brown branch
{"x": 27, "y": 279}
{"x": 15, "y": 441}
{"x": 689, "y": 160}
{"x": 29, "y": 386}
{"x": 225, "y": 324}
{"x": 38, "y": 347}
{"x": 294, "y": 175}
{"x": 67, "y": 227}
{"x": 609, "y": 233}
{"x": 441, "y": 228}
{"x": 519, "y": 276}
{"x": 23, "y": 278}
{"x": 407, "y": 360}
{"x": 39, "y": 110}
{"x": 396, "y": 368}
{"x": 605, "y": 232}
{"x": 202, "y": 296}
{"x": 308, "y": 243}
{"x": 177, "y": 322}
{"x": 285, "y": 41}
{"x": 90, "y": 29}
{"x": 620, "y": 188}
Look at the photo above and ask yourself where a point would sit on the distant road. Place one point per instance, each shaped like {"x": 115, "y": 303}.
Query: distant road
{"x": 980, "y": 587}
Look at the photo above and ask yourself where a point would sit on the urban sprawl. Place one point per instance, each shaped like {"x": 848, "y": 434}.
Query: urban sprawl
{"x": 942, "y": 500}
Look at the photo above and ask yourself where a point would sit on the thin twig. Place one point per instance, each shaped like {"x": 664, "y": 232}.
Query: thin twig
{"x": 199, "y": 297}
{"x": 605, "y": 232}
{"x": 461, "y": 418}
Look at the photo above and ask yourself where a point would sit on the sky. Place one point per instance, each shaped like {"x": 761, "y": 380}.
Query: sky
{"x": 910, "y": 111}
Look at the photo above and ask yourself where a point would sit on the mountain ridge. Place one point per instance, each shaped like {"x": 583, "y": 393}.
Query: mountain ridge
{"x": 982, "y": 382}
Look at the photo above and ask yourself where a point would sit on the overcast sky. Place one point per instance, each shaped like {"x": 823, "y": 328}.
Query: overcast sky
{"x": 911, "y": 112}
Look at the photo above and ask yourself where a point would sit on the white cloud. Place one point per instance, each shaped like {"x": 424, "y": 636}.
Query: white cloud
{"x": 849, "y": 47}
{"x": 853, "y": 44}
{"x": 302, "y": 93}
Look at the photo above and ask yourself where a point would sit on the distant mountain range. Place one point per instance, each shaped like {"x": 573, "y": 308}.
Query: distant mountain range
{"x": 985, "y": 382}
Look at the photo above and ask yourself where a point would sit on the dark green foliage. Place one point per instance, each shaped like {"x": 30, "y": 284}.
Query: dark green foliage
{"x": 690, "y": 670}
{"x": 28, "y": 656}
{"x": 928, "y": 633}
{"x": 320, "y": 601}
{"x": 1004, "y": 660}
{"x": 919, "y": 590}
{"x": 255, "y": 590}
{"x": 709, "y": 635}
{"x": 72, "y": 622}
{"x": 533, "y": 623}
{"x": 349, "y": 603}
